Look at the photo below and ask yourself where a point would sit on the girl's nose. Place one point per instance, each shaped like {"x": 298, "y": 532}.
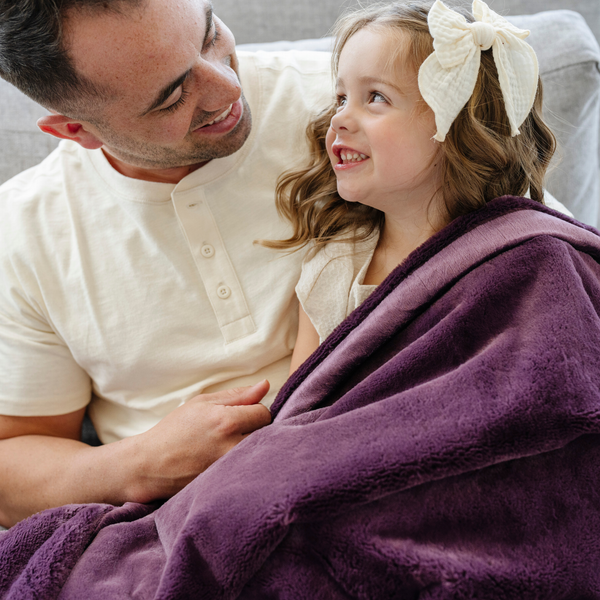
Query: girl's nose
{"x": 343, "y": 120}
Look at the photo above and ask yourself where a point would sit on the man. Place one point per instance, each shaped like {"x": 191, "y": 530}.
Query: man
{"x": 129, "y": 273}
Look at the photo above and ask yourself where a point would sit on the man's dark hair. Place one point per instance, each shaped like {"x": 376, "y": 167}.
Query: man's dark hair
{"x": 32, "y": 53}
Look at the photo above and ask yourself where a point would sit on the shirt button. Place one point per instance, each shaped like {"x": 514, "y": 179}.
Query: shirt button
{"x": 207, "y": 250}
{"x": 223, "y": 292}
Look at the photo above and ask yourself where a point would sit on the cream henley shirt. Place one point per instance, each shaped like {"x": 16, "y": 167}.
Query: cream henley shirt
{"x": 136, "y": 296}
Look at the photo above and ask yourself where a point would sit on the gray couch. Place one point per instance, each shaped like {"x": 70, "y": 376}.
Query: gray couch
{"x": 262, "y": 21}
{"x": 569, "y": 63}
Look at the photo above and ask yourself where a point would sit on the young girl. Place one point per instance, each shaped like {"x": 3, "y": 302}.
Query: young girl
{"x": 437, "y": 113}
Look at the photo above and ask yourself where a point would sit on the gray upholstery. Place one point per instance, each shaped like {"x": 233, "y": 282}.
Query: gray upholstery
{"x": 569, "y": 58}
{"x": 23, "y": 144}
{"x": 569, "y": 67}
{"x": 263, "y": 21}
{"x": 589, "y": 9}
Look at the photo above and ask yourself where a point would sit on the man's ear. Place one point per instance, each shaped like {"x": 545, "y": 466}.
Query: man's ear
{"x": 68, "y": 129}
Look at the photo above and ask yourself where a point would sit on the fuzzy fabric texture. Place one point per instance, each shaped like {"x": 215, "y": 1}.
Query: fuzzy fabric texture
{"x": 442, "y": 443}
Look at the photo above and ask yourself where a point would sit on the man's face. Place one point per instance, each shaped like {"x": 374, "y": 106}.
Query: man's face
{"x": 170, "y": 69}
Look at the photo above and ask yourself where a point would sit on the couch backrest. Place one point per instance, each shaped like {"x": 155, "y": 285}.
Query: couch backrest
{"x": 255, "y": 21}
{"x": 23, "y": 144}
{"x": 589, "y": 9}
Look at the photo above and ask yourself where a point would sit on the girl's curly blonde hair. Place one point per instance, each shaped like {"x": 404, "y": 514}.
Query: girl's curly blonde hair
{"x": 479, "y": 159}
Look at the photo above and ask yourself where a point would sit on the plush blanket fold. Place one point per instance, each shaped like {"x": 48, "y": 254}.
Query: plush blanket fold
{"x": 442, "y": 443}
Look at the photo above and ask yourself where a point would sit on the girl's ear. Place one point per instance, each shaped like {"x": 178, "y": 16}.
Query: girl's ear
{"x": 66, "y": 128}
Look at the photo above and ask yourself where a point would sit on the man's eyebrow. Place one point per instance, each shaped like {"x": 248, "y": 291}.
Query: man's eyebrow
{"x": 164, "y": 94}
{"x": 209, "y": 22}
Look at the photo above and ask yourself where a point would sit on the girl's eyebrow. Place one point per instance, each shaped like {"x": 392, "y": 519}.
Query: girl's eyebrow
{"x": 372, "y": 81}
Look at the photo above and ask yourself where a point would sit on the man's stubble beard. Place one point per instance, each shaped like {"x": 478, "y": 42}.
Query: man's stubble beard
{"x": 151, "y": 156}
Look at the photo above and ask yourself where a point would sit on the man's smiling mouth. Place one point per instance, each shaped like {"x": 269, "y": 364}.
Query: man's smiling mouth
{"x": 220, "y": 118}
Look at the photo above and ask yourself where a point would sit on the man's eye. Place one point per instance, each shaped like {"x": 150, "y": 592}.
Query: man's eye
{"x": 177, "y": 104}
{"x": 215, "y": 37}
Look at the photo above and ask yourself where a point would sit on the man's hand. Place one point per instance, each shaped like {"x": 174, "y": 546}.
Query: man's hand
{"x": 193, "y": 436}
{"x": 43, "y": 466}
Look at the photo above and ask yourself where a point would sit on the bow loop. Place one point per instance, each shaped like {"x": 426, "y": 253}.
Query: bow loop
{"x": 450, "y": 32}
{"x": 448, "y": 76}
{"x": 484, "y": 34}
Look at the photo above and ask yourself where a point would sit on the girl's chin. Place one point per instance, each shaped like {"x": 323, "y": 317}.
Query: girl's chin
{"x": 347, "y": 195}
{"x": 356, "y": 198}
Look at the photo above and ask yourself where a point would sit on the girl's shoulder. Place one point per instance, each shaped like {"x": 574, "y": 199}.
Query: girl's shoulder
{"x": 341, "y": 254}
{"x": 326, "y": 280}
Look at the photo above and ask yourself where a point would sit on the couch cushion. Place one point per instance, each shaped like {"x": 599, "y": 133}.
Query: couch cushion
{"x": 282, "y": 20}
{"x": 569, "y": 59}
{"x": 23, "y": 144}
{"x": 589, "y": 9}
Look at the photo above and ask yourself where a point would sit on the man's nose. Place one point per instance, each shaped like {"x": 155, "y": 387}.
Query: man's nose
{"x": 219, "y": 85}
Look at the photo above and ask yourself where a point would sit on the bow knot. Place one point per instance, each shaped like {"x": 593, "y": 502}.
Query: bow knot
{"x": 484, "y": 34}
{"x": 448, "y": 76}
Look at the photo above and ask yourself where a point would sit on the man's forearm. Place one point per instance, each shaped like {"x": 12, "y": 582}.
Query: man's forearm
{"x": 39, "y": 472}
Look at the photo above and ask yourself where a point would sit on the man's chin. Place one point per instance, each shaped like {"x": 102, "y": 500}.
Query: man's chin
{"x": 198, "y": 152}
{"x": 224, "y": 145}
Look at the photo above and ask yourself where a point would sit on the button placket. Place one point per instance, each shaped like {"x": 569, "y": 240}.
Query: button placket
{"x": 216, "y": 270}
{"x": 207, "y": 250}
{"x": 223, "y": 292}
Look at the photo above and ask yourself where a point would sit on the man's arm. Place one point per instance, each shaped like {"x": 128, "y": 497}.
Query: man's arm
{"x": 43, "y": 464}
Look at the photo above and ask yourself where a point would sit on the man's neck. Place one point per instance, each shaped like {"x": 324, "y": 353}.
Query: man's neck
{"x": 173, "y": 175}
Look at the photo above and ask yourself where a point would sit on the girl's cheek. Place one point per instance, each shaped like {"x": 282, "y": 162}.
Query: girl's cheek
{"x": 329, "y": 139}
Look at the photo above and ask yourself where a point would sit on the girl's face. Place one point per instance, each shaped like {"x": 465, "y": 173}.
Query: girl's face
{"x": 380, "y": 140}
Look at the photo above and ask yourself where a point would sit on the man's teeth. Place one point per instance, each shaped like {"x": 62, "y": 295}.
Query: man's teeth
{"x": 222, "y": 116}
{"x": 352, "y": 156}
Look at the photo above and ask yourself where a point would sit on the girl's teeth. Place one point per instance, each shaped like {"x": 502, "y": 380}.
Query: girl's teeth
{"x": 352, "y": 156}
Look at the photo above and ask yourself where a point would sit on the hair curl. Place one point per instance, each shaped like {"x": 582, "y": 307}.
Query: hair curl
{"x": 479, "y": 159}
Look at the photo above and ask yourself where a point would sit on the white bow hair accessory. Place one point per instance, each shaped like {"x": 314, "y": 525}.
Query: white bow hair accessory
{"x": 448, "y": 76}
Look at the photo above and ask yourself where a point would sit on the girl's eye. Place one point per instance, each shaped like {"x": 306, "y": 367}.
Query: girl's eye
{"x": 377, "y": 97}
{"x": 341, "y": 101}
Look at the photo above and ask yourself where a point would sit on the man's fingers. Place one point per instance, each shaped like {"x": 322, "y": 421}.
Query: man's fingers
{"x": 237, "y": 422}
{"x": 236, "y": 396}
{"x": 251, "y": 418}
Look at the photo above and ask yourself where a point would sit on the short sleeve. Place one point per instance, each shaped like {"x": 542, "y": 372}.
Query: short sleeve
{"x": 38, "y": 373}
{"x": 551, "y": 202}
{"x": 324, "y": 286}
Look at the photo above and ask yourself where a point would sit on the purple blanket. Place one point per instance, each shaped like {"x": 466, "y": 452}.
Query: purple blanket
{"x": 442, "y": 443}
